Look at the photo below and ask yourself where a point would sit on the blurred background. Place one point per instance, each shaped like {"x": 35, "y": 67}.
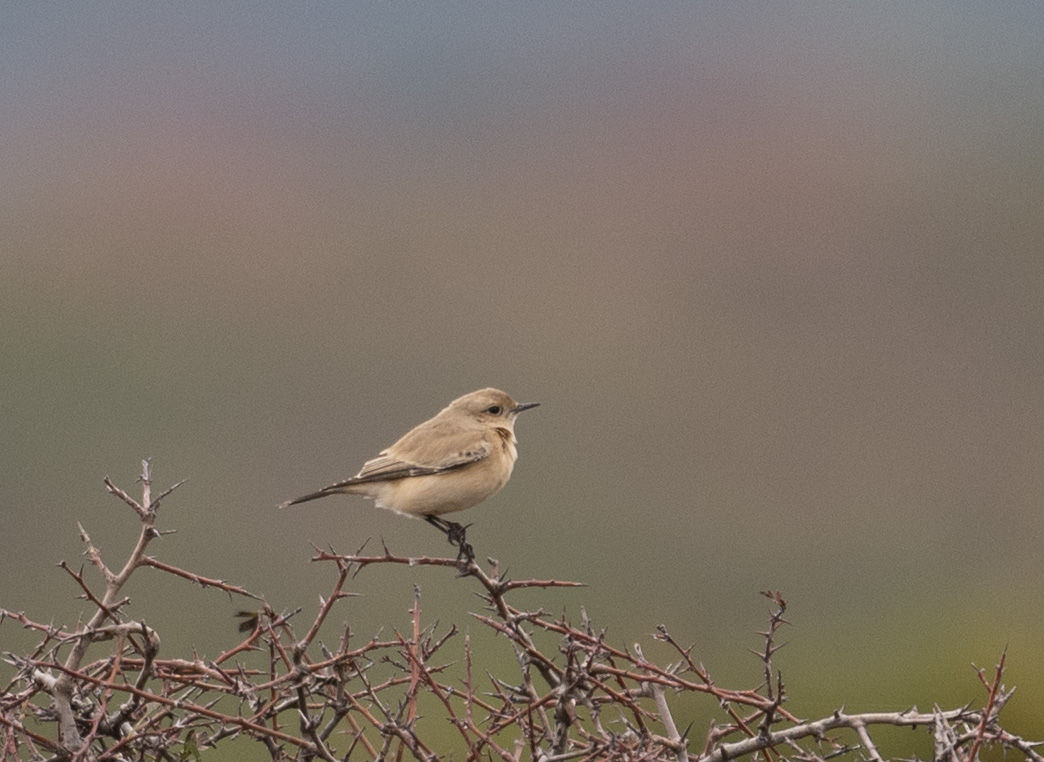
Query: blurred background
{"x": 774, "y": 272}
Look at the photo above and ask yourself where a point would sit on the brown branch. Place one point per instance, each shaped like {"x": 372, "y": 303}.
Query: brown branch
{"x": 987, "y": 713}
{"x": 125, "y": 497}
{"x": 198, "y": 578}
{"x": 69, "y": 734}
{"x": 174, "y": 703}
{"x": 89, "y": 594}
{"x": 838, "y": 719}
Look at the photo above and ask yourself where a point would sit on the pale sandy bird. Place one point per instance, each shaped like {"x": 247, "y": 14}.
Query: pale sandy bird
{"x": 453, "y": 461}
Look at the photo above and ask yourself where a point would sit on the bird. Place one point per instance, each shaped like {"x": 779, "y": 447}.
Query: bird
{"x": 451, "y": 462}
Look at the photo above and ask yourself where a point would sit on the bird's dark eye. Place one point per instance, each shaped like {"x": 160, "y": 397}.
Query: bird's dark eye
{"x": 495, "y": 410}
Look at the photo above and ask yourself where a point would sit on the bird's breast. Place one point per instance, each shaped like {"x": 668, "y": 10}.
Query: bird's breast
{"x": 507, "y": 440}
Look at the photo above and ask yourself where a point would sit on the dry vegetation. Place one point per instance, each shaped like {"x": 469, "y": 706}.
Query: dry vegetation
{"x": 573, "y": 696}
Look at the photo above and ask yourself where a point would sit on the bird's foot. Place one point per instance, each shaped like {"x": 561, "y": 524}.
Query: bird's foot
{"x": 465, "y": 553}
{"x": 456, "y": 534}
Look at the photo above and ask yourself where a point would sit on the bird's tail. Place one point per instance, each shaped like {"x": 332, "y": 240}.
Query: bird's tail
{"x": 347, "y": 487}
{"x": 305, "y": 498}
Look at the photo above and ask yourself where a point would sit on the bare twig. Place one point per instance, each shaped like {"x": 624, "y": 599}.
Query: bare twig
{"x": 199, "y": 579}
{"x": 987, "y": 714}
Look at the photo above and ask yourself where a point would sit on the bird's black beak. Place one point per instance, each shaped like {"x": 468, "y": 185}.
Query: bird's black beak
{"x": 524, "y": 406}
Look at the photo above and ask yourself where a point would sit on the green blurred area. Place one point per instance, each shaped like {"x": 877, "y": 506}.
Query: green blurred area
{"x": 774, "y": 273}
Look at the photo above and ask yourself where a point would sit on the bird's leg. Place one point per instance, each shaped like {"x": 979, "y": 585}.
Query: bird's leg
{"x": 456, "y": 537}
{"x": 455, "y": 533}
{"x": 440, "y": 524}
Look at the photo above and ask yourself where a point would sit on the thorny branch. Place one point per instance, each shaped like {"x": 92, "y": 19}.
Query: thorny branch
{"x": 574, "y": 696}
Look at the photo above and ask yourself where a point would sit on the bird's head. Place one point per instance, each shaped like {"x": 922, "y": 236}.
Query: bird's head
{"x": 490, "y": 407}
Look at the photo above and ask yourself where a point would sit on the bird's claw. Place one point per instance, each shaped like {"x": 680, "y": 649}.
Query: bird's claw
{"x": 465, "y": 552}
{"x": 456, "y": 534}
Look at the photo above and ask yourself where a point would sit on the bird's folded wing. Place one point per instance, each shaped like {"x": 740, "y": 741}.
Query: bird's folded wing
{"x": 388, "y": 466}
{"x": 438, "y": 452}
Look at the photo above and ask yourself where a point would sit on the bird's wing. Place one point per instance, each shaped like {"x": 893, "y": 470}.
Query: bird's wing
{"x": 399, "y": 463}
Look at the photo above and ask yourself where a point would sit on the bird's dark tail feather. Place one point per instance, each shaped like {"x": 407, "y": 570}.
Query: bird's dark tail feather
{"x": 306, "y": 498}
